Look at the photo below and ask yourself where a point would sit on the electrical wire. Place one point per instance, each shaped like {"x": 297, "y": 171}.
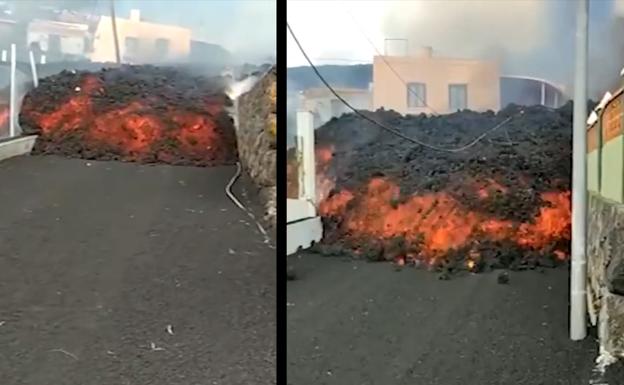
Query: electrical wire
{"x": 383, "y": 57}
{"x": 230, "y": 194}
{"x": 390, "y": 129}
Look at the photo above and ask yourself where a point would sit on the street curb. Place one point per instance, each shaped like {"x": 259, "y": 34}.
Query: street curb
{"x": 16, "y": 147}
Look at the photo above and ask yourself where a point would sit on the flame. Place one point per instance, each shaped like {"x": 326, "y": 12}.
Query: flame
{"x": 439, "y": 223}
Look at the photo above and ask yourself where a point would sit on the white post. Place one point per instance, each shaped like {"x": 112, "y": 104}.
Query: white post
{"x": 12, "y": 110}
{"x": 543, "y": 95}
{"x": 305, "y": 147}
{"x": 43, "y": 59}
{"x": 4, "y": 55}
{"x": 578, "y": 273}
{"x": 33, "y": 68}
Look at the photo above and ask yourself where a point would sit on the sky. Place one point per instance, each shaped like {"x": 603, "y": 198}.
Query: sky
{"x": 535, "y": 36}
{"x": 245, "y": 27}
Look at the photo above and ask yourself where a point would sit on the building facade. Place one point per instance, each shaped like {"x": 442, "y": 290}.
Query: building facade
{"x": 140, "y": 42}
{"x": 430, "y": 84}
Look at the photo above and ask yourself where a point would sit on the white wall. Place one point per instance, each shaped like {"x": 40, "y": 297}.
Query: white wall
{"x": 73, "y": 45}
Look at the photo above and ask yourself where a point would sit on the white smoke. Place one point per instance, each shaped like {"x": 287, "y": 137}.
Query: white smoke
{"x": 238, "y": 88}
{"x": 470, "y": 28}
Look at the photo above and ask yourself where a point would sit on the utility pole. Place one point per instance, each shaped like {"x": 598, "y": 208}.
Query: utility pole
{"x": 112, "y": 11}
{"x": 578, "y": 274}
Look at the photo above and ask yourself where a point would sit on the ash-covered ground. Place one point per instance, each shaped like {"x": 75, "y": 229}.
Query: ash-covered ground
{"x": 503, "y": 202}
{"x": 144, "y": 113}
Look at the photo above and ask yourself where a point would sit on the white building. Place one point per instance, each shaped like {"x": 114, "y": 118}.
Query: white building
{"x": 59, "y": 39}
{"x": 324, "y": 105}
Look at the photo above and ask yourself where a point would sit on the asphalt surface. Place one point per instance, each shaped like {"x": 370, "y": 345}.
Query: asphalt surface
{"x": 97, "y": 259}
{"x": 363, "y": 323}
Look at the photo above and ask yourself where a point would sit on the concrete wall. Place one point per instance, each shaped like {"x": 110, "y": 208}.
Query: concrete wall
{"x": 256, "y": 138}
{"x": 605, "y": 250}
{"x": 605, "y": 238}
{"x": 481, "y": 77}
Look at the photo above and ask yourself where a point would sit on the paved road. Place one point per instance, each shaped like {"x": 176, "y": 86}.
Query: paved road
{"x": 365, "y": 323}
{"x": 98, "y": 258}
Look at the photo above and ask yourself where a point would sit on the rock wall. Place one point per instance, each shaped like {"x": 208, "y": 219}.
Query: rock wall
{"x": 256, "y": 133}
{"x": 605, "y": 268}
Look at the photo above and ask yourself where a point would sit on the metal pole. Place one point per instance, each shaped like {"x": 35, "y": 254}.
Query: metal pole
{"x": 33, "y": 68}
{"x": 578, "y": 278}
{"x": 114, "y": 20}
{"x": 12, "y": 111}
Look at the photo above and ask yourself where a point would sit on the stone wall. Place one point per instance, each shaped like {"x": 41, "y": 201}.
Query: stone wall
{"x": 605, "y": 268}
{"x": 605, "y": 227}
{"x": 256, "y": 138}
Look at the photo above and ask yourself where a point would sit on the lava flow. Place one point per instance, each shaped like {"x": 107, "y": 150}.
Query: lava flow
{"x": 135, "y": 113}
{"x": 493, "y": 206}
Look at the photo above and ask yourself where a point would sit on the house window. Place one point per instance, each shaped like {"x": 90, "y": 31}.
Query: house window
{"x": 458, "y": 97}
{"x": 416, "y": 95}
{"x": 162, "y": 48}
{"x": 131, "y": 45}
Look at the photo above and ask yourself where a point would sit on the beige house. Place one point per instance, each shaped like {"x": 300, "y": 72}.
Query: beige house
{"x": 324, "y": 105}
{"x": 140, "y": 41}
{"x": 429, "y": 83}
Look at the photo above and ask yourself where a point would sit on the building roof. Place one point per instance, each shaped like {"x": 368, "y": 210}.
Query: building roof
{"x": 320, "y": 92}
{"x": 540, "y": 80}
{"x": 58, "y": 27}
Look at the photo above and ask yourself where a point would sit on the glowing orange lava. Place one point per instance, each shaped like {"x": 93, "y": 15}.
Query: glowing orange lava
{"x": 438, "y": 222}
{"x": 324, "y": 184}
{"x": 141, "y": 130}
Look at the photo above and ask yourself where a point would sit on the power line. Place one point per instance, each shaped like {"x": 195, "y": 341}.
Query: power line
{"x": 383, "y": 57}
{"x": 387, "y": 128}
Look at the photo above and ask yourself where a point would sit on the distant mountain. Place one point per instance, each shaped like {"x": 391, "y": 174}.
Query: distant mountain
{"x": 348, "y": 76}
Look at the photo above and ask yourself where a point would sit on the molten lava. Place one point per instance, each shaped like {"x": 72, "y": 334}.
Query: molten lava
{"x": 498, "y": 203}
{"x": 433, "y": 224}
{"x": 324, "y": 183}
{"x": 148, "y": 123}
